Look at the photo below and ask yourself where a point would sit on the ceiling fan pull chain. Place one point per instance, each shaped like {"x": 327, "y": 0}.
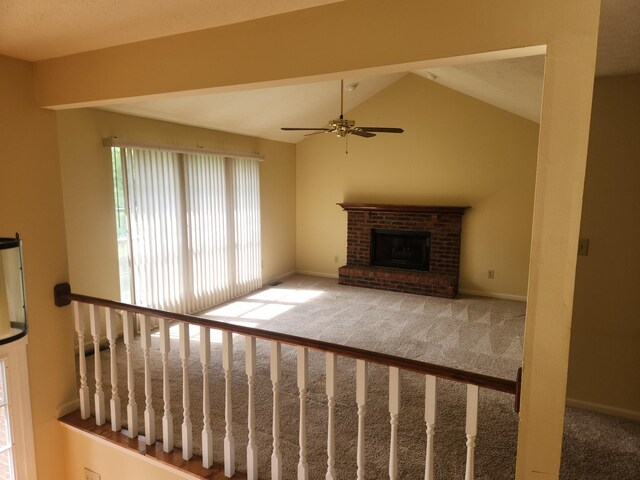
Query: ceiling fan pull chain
{"x": 346, "y": 145}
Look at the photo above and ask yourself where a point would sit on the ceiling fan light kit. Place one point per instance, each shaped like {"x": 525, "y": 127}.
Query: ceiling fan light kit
{"x": 343, "y": 127}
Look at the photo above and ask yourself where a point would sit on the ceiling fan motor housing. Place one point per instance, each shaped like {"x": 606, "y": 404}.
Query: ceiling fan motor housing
{"x": 342, "y": 126}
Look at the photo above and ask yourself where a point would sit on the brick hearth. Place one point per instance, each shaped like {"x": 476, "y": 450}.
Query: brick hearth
{"x": 445, "y": 226}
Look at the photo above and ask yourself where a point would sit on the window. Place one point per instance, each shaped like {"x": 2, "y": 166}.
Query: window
{"x": 16, "y": 430}
{"x": 7, "y": 469}
{"x": 188, "y": 227}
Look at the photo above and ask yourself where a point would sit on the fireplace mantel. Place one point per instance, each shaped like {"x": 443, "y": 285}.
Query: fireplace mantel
{"x": 443, "y": 225}
{"x": 375, "y": 207}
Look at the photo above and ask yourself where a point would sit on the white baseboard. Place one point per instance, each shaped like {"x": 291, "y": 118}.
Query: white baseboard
{"x": 68, "y": 407}
{"x": 278, "y": 278}
{"x": 317, "y": 274}
{"x": 501, "y": 296}
{"x": 605, "y": 409}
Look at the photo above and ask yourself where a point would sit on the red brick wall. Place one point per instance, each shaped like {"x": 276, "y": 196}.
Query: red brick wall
{"x": 444, "y": 265}
{"x": 445, "y": 236}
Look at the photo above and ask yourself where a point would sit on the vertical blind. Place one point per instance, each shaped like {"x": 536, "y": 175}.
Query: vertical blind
{"x": 194, "y": 227}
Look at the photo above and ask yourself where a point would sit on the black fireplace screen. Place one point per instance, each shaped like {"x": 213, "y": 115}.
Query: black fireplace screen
{"x": 400, "y": 249}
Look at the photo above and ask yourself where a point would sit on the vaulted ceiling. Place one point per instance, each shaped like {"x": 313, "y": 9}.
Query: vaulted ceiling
{"x": 41, "y": 29}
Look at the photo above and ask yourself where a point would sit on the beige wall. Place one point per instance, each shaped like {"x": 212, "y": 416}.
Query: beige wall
{"x": 285, "y": 48}
{"x": 88, "y": 191}
{"x": 31, "y": 199}
{"x": 110, "y": 462}
{"x": 455, "y": 150}
{"x": 605, "y": 339}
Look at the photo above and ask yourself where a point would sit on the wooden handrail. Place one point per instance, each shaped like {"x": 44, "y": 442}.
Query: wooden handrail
{"x": 63, "y": 296}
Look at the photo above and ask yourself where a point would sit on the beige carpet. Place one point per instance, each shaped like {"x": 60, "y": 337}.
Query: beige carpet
{"x": 479, "y": 334}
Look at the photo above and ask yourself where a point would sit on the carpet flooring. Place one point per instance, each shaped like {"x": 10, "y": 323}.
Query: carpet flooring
{"x": 474, "y": 333}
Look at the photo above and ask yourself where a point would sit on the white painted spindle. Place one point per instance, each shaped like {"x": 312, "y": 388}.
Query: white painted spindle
{"x": 362, "y": 381}
{"x": 394, "y": 412}
{"x": 112, "y": 334}
{"x": 83, "y": 391}
{"x": 331, "y": 406}
{"x": 430, "y": 421}
{"x": 303, "y": 382}
{"x": 149, "y": 414}
{"x": 187, "y": 431}
{"x": 132, "y": 406}
{"x": 94, "y": 318}
{"x": 167, "y": 417}
{"x": 207, "y": 434}
{"x": 252, "y": 450}
{"x": 229, "y": 442}
{"x": 472, "y": 429}
{"x": 276, "y": 375}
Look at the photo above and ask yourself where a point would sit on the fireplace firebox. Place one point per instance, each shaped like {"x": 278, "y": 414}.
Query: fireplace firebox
{"x": 403, "y": 248}
{"x": 400, "y": 249}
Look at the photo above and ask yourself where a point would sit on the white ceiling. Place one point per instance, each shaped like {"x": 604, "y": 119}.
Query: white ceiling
{"x": 513, "y": 84}
{"x": 261, "y": 112}
{"x": 40, "y": 29}
{"x": 619, "y": 38}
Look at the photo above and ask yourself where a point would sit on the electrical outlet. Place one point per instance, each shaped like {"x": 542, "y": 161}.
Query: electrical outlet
{"x": 491, "y": 274}
{"x": 336, "y": 258}
{"x": 90, "y": 474}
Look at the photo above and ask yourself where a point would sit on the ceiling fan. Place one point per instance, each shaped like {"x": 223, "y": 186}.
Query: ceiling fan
{"x": 343, "y": 127}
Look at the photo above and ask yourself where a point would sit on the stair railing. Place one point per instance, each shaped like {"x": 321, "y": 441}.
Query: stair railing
{"x": 63, "y": 296}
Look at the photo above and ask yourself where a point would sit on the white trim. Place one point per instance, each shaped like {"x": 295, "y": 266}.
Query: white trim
{"x": 17, "y": 375}
{"x": 119, "y": 142}
{"x": 68, "y": 407}
{"x": 150, "y": 460}
{"x": 265, "y": 283}
{"x": 317, "y": 274}
{"x": 502, "y": 296}
{"x": 605, "y": 409}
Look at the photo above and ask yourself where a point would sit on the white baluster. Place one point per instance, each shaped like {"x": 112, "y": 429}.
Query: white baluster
{"x": 430, "y": 421}
{"x": 83, "y": 392}
{"x": 276, "y": 375}
{"x": 229, "y": 442}
{"x": 252, "y": 450}
{"x": 132, "y": 406}
{"x": 331, "y": 365}
{"x": 149, "y": 414}
{"x": 112, "y": 334}
{"x": 362, "y": 383}
{"x": 94, "y": 319}
{"x": 303, "y": 382}
{"x": 167, "y": 418}
{"x": 187, "y": 432}
{"x": 472, "y": 428}
{"x": 394, "y": 412}
{"x": 207, "y": 434}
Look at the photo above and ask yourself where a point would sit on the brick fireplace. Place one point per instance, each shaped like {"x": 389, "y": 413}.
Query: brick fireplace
{"x": 419, "y": 247}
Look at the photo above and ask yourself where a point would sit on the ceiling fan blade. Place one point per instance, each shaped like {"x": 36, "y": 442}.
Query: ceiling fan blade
{"x": 326, "y": 130}
{"x": 361, "y": 133}
{"x": 382, "y": 129}
{"x": 296, "y": 128}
